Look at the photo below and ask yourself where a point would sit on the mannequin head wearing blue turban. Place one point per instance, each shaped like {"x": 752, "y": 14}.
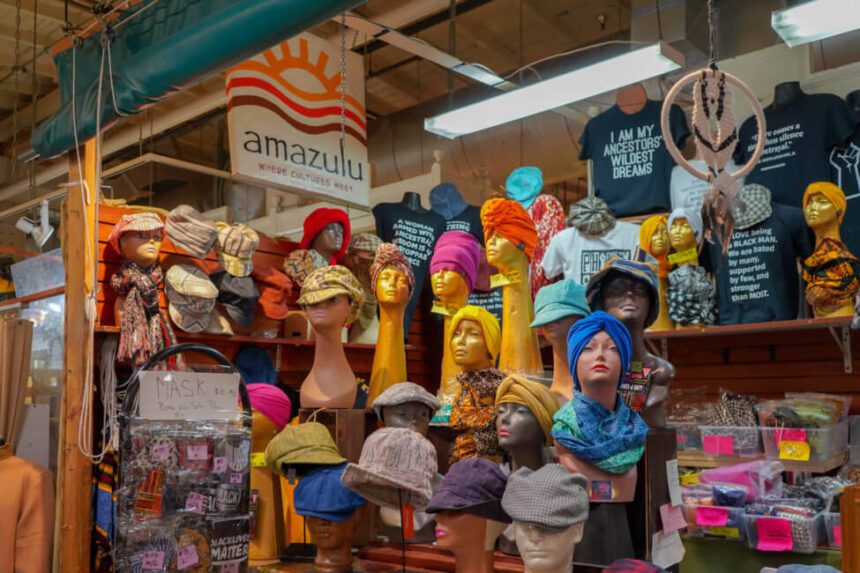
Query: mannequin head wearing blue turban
{"x": 581, "y": 333}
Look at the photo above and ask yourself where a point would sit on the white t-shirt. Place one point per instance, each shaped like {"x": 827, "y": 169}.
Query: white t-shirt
{"x": 579, "y": 256}
{"x": 687, "y": 191}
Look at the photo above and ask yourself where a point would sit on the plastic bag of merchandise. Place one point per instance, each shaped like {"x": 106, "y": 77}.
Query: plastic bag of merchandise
{"x": 761, "y": 478}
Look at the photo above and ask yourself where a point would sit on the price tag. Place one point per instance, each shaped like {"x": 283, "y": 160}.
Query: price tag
{"x": 510, "y": 278}
{"x": 683, "y": 256}
{"x": 672, "y": 518}
{"x": 187, "y": 557}
{"x": 791, "y": 434}
{"x": 258, "y": 459}
{"x": 442, "y": 308}
{"x": 153, "y": 561}
{"x": 732, "y": 532}
{"x": 219, "y": 465}
{"x": 197, "y": 452}
{"x": 160, "y": 452}
{"x": 236, "y": 478}
{"x": 794, "y": 451}
{"x": 837, "y": 535}
{"x": 407, "y": 510}
{"x": 195, "y": 502}
{"x": 774, "y": 534}
{"x": 711, "y": 516}
{"x": 230, "y": 567}
{"x": 719, "y": 445}
{"x": 673, "y": 481}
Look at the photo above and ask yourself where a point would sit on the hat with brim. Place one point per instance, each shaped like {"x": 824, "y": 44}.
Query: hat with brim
{"x": 635, "y": 269}
{"x": 273, "y": 286}
{"x": 474, "y": 486}
{"x": 302, "y": 447}
{"x": 321, "y": 494}
{"x": 559, "y": 300}
{"x": 238, "y": 296}
{"x": 325, "y": 283}
{"x": 556, "y": 311}
{"x": 386, "y": 486}
{"x": 189, "y": 321}
{"x": 405, "y": 393}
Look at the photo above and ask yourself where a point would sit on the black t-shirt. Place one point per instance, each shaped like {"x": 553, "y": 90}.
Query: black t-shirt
{"x": 845, "y": 173}
{"x": 631, "y": 166}
{"x": 415, "y": 234}
{"x": 468, "y": 221}
{"x": 757, "y": 281}
{"x": 800, "y": 136}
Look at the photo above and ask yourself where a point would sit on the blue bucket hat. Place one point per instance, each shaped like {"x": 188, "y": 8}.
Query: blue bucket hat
{"x": 559, "y": 300}
{"x": 321, "y": 494}
{"x": 583, "y": 331}
{"x": 523, "y": 185}
{"x": 255, "y": 366}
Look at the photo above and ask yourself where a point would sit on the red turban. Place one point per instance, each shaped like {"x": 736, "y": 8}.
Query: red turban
{"x": 511, "y": 221}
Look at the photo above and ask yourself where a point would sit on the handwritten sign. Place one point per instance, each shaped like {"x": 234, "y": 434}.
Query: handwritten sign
{"x": 719, "y": 445}
{"x": 712, "y": 516}
{"x": 837, "y": 535}
{"x": 774, "y": 534}
{"x": 672, "y": 518}
{"x": 795, "y": 451}
{"x": 187, "y": 557}
{"x": 189, "y": 395}
{"x": 219, "y": 465}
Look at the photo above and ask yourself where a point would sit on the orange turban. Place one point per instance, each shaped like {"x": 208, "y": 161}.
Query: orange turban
{"x": 511, "y": 221}
{"x": 831, "y": 192}
{"x": 646, "y": 231}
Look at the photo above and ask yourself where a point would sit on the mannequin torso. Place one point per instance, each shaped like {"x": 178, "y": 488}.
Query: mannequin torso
{"x": 266, "y": 545}
{"x": 786, "y": 93}
{"x": 821, "y": 215}
{"x": 331, "y": 382}
{"x": 412, "y": 200}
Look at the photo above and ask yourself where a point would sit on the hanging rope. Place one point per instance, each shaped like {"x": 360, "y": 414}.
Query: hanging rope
{"x": 16, "y": 71}
{"x": 712, "y": 36}
{"x": 343, "y": 81}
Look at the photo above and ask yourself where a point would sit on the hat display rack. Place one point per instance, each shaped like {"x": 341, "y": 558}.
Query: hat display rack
{"x": 715, "y": 135}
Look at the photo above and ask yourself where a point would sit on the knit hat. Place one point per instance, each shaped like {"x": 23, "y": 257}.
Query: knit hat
{"x": 559, "y": 300}
{"x": 635, "y": 269}
{"x": 633, "y": 566}
{"x": 584, "y": 330}
{"x": 457, "y": 251}
{"x": 404, "y": 393}
{"x": 274, "y": 286}
{"x": 447, "y": 201}
{"x": 191, "y": 231}
{"x": 302, "y": 447}
{"x": 321, "y": 494}
{"x": 523, "y": 185}
{"x": 591, "y": 216}
{"x": 511, "y": 221}
{"x": 489, "y": 325}
{"x": 396, "y": 465}
{"x": 831, "y": 192}
{"x": 549, "y": 497}
{"x": 327, "y": 282}
{"x": 191, "y": 297}
{"x": 693, "y": 218}
{"x": 646, "y": 233}
{"x": 318, "y": 220}
{"x": 238, "y": 295}
{"x": 270, "y": 401}
{"x": 133, "y": 222}
{"x": 236, "y": 247}
{"x": 474, "y": 486}
{"x": 539, "y": 399}
{"x": 388, "y": 255}
{"x": 756, "y": 203}
{"x": 255, "y": 365}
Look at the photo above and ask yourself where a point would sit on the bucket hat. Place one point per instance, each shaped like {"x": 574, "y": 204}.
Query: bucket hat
{"x": 396, "y": 466}
{"x": 189, "y": 230}
{"x": 273, "y": 286}
{"x": 638, "y": 270}
{"x": 238, "y": 295}
{"x": 321, "y": 494}
{"x": 550, "y": 497}
{"x": 474, "y": 486}
{"x": 236, "y": 246}
{"x": 404, "y": 393}
{"x": 559, "y": 300}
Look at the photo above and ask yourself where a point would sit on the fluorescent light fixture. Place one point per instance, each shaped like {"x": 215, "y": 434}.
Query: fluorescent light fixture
{"x": 815, "y": 20}
{"x": 629, "y": 68}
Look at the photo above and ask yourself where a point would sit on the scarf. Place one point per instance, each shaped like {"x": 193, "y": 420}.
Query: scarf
{"x": 691, "y": 296}
{"x": 474, "y": 415}
{"x": 612, "y": 441}
{"x": 831, "y": 275}
{"x": 145, "y": 330}
{"x": 388, "y": 255}
{"x": 584, "y": 330}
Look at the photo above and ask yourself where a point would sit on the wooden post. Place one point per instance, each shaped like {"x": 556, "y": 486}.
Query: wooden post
{"x": 72, "y": 545}
{"x": 850, "y": 522}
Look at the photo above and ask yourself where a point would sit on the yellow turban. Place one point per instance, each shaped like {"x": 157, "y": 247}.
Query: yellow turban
{"x": 834, "y": 194}
{"x": 540, "y": 401}
{"x": 488, "y": 322}
{"x": 646, "y": 232}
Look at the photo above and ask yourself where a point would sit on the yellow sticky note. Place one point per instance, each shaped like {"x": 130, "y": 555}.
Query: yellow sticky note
{"x": 258, "y": 460}
{"x": 724, "y": 531}
{"x": 510, "y": 278}
{"x": 794, "y": 450}
{"x": 441, "y": 308}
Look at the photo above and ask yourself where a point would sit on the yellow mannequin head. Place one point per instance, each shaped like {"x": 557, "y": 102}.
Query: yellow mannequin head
{"x": 469, "y": 347}
{"x": 503, "y": 254}
{"x": 682, "y": 237}
{"x": 660, "y": 241}
{"x": 449, "y": 286}
{"x": 819, "y": 211}
{"x": 392, "y": 287}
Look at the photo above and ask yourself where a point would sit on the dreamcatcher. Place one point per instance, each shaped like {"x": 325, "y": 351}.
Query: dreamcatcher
{"x": 715, "y": 134}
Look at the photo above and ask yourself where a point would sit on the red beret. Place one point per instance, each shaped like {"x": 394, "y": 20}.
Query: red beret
{"x": 318, "y": 220}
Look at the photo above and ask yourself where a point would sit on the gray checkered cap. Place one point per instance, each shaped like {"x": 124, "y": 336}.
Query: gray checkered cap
{"x": 550, "y": 497}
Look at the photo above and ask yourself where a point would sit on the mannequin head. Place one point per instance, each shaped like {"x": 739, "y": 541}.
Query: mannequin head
{"x": 517, "y": 427}
{"x": 449, "y": 286}
{"x": 454, "y": 267}
{"x": 503, "y": 254}
{"x": 458, "y": 531}
{"x": 557, "y": 307}
{"x": 556, "y": 331}
{"x": 331, "y": 297}
{"x": 326, "y": 231}
{"x": 270, "y": 412}
{"x": 415, "y": 416}
{"x": 599, "y": 367}
{"x": 524, "y": 411}
{"x": 334, "y": 543}
{"x": 659, "y": 244}
{"x": 824, "y": 207}
{"x": 545, "y": 550}
{"x": 328, "y": 314}
{"x": 392, "y": 287}
{"x": 509, "y": 233}
{"x": 329, "y": 241}
{"x": 469, "y": 347}
{"x": 628, "y": 299}
{"x": 141, "y": 247}
{"x": 406, "y": 405}
{"x": 681, "y": 235}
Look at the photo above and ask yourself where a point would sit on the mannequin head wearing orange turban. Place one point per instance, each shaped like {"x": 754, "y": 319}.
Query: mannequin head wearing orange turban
{"x": 650, "y": 227}
{"x": 511, "y": 221}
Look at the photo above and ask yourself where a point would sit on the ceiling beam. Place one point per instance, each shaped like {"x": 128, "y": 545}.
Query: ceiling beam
{"x": 45, "y": 107}
{"x": 51, "y": 10}
{"x": 545, "y": 20}
{"x": 42, "y": 40}
{"x": 44, "y": 65}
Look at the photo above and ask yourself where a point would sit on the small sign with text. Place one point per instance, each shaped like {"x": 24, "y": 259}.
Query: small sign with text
{"x": 189, "y": 395}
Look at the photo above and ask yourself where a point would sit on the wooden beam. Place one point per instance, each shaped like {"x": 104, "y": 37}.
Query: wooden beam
{"x": 51, "y": 10}
{"x": 47, "y": 104}
{"x": 536, "y": 12}
{"x": 7, "y": 33}
{"x": 44, "y": 64}
{"x": 75, "y": 470}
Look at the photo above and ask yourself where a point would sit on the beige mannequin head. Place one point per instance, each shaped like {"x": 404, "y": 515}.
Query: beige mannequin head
{"x": 599, "y": 369}
{"x": 547, "y": 550}
{"x": 334, "y": 544}
{"x": 141, "y": 247}
{"x": 392, "y": 287}
{"x": 469, "y": 348}
{"x": 449, "y": 286}
{"x": 459, "y": 532}
{"x": 660, "y": 241}
{"x": 820, "y": 212}
{"x": 556, "y": 331}
{"x": 682, "y": 237}
{"x": 331, "y": 313}
{"x": 503, "y": 254}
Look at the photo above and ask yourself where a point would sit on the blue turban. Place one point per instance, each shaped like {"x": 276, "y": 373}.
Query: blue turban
{"x": 321, "y": 494}
{"x": 584, "y": 330}
{"x": 523, "y": 185}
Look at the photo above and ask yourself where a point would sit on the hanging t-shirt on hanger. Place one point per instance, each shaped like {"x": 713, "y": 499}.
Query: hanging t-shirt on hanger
{"x": 630, "y": 163}
{"x": 845, "y": 174}
{"x": 800, "y": 136}
{"x": 686, "y": 191}
{"x": 579, "y": 256}
{"x": 414, "y": 233}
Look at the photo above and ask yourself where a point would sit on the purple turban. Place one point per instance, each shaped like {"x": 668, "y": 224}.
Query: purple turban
{"x": 457, "y": 251}
{"x": 270, "y": 401}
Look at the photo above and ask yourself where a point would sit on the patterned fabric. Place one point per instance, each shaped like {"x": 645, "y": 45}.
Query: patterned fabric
{"x": 550, "y": 497}
{"x": 327, "y": 282}
{"x": 548, "y": 216}
{"x": 591, "y": 216}
{"x": 613, "y": 441}
{"x": 367, "y": 242}
{"x": 236, "y": 247}
{"x": 191, "y": 231}
{"x": 474, "y": 415}
{"x": 538, "y": 398}
{"x": 133, "y": 222}
{"x": 646, "y": 233}
{"x": 144, "y": 330}
{"x": 388, "y": 255}
{"x": 831, "y": 275}
{"x": 581, "y": 333}
{"x": 831, "y": 192}
{"x": 691, "y": 296}
{"x": 511, "y": 221}
{"x": 753, "y": 206}
{"x": 302, "y": 262}
{"x": 642, "y": 271}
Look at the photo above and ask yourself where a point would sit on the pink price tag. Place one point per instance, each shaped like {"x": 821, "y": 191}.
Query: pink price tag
{"x": 195, "y": 502}
{"x": 230, "y": 567}
{"x": 187, "y": 557}
{"x": 219, "y": 465}
{"x": 160, "y": 452}
{"x": 774, "y": 534}
{"x": 790, "y": 435}
{"x": 712, "y": 516}
{"x": 153, "y": 561}
{"x": 719, "y": 445}
{"x": 236, "y": 478}
{"x": 197, "y": 453}
{"x": 672, "y": 518}
{"x": 837, "y": 535}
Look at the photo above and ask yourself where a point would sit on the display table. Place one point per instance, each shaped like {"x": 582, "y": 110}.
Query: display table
{"x": 717, "y": 556}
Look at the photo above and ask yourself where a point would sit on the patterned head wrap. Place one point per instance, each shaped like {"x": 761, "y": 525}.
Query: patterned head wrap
{"x": 134, "y": 222}
{"x": 831, "y": 192}
{"x": 591, "y": 216}
{"x": 523, "y": 185}
{"x": 585, "y": 329}
{"x": 533, "y": 395}
{"x": 388, "y": 255}
{"x": 330, "y": 281}
{"x": 693, "y": 218}
{"x": 367, "y": 242}
{"x": 511, "y": 221}
{"x": 646, "y": 232}
{"x": 489, "y": 325}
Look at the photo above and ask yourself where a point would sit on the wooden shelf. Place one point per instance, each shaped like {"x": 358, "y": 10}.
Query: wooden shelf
{"x": 702, "y": 460}
{"x": 753, "y": 328}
